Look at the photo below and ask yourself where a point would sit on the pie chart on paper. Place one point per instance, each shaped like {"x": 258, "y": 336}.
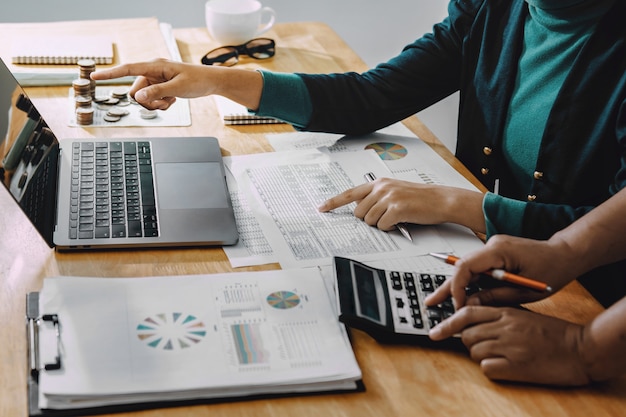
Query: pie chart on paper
{"x": 388, "y": 151}
{"x": 283, "y": 300}
{"x": 171, "y": 331}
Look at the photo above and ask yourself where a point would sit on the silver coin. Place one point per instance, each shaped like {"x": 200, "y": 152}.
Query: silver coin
{"x": 147, "y": 114}
{"x": 86, "y": 62}
{"x": 84, "y": 110}
{"x": 81, "y": 82}
{"x": 116, "y": 111}
{"x": 100, "y": 99}
{"x": 120, "y": 92}
{"x": 110, "y": 118}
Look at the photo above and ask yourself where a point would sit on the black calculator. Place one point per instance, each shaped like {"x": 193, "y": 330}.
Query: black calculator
{"x": 388, "y": 304}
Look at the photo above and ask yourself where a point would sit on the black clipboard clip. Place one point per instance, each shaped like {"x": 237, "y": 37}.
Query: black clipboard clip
{"x": 34, "y": 321}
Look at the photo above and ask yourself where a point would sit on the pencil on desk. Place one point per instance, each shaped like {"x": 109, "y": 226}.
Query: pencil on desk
{"x": 369, "y": 177}
{"x": 501, "y": 274}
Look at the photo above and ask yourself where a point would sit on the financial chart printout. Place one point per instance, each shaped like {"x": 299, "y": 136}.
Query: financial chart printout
{"x": 196, "y": 336}
{"x": 291, "y": 194}
{"x": 285, "y": 189}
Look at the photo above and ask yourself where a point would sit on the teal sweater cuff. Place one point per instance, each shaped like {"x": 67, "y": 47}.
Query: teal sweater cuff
{"x": 503, "y": 215}
{"x": 285, "y": 97}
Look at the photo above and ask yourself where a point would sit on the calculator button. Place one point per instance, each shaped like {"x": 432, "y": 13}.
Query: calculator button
{"x": 434, "y": 322}
{"x": 396, "y": 282}
{"x": 447, "y": 305}
{"x": 416, "y": 314}
{"x": 440, "y": 279}
{"x": 427, "y": 283}
{"x": 427, "y": 286}
{"x": 409, "y": 278}
{"x": 399, "y": 303}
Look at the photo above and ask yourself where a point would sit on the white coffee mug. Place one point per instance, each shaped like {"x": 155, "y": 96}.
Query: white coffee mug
{"x": 234, "y": 22}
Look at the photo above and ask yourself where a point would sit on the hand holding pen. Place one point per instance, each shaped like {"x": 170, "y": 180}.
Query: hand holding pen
{"x": 523, "y": 289}
{"x": 502, "y": 275}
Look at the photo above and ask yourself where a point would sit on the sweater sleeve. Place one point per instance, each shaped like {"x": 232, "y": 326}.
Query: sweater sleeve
{"x": 423, "y": 73}
{"x": 531, "y": 220}
{"x": 285, "y": 97}
{"x": 503, "y": 215}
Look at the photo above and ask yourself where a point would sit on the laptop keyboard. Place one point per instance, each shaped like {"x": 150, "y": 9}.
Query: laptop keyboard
{"x": 112, "y": 190}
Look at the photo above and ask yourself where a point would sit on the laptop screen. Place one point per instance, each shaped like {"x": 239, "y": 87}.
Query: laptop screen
{"x": 28, "y": 155}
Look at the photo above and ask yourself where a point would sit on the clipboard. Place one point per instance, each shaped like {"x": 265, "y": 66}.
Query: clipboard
{"x": 42, "y": 326}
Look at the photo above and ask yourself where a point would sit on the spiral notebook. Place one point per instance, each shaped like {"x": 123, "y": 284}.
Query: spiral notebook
{"x": 61, "y": 50}
{"x": 233, "y": 113}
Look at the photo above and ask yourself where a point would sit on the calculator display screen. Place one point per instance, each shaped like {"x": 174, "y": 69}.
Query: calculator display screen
{"x": 367, "y": 292}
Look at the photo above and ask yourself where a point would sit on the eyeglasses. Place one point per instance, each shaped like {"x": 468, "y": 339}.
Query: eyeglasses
{"x": 260, "y": 48}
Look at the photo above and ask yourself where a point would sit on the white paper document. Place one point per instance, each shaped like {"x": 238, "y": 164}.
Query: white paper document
{"x": 407, "y": 156}
{"x": 276, "y": 196}
{"x": 133, "y": 340}
{"x": 283, "y": 191}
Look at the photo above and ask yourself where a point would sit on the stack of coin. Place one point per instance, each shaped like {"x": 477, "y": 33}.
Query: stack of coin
{"x": 120, "y": 92}
{"x": 84, "y": 115}
{"x": 85, "y": 68}
{"x": 82, "y": 87}
{"x": 82, "y": 101}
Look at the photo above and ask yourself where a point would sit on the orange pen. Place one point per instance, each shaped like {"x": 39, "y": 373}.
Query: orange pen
{"x": 501, "y": 274}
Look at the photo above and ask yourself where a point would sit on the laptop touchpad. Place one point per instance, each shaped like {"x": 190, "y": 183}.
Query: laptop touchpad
{"x": 190, "y": 185}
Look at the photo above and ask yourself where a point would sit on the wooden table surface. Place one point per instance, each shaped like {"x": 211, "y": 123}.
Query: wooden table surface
{"x": 400, "y": 380}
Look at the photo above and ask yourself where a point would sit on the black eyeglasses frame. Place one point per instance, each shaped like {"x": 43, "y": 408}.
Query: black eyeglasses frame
{"x": 266, "y": 49}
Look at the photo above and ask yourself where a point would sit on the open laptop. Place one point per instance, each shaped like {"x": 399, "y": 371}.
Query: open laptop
{"x": 133, "y": 192}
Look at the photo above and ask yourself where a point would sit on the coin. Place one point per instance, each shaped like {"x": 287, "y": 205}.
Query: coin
{"x": 86, "y": 63}
{"x": 110, "y": 118}
{"x": 116, "y": 111}
{"x": 100, "y": 98}
{"x": 147, "y": 114}
{"x": 82, "y": 87}
{"x": 120, "y": 92}
{"x": 82, "y": 101}
{"x": 84, "y": 115}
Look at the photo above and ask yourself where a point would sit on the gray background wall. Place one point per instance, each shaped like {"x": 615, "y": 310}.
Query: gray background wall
{"x": 376, "y": 30}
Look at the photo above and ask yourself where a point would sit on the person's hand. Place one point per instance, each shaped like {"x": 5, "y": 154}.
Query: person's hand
{"x": 386, "y": 202}
{"x": 159, "y": 82}
{"x": 541, "y": 260}
{"x": 519, "y": 345}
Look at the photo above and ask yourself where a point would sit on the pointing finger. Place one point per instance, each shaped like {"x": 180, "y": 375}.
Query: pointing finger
{"x": 347, "y": 197}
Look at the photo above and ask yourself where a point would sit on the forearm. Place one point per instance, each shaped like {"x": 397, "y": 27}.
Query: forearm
{"x": 597, "y": 238}
{"x": 240, "y": 85}
{"x": 603, "y": 344}
{"x": 465, "y": 208}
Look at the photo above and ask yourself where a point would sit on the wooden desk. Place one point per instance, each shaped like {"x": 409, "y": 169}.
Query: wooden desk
{"x": 400, "y": 380}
